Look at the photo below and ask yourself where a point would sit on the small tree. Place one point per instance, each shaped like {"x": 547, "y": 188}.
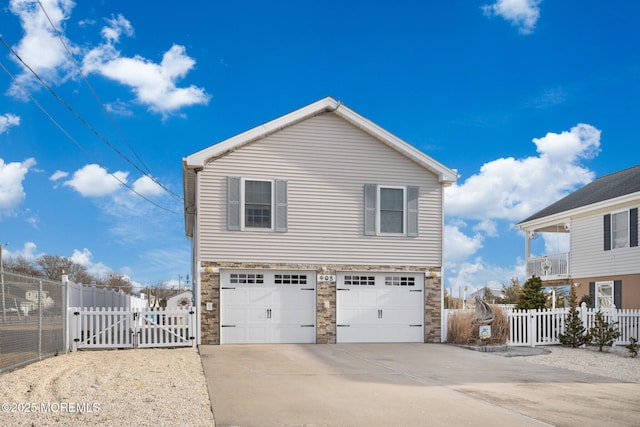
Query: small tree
{"x": 633, "y": 347}
{"x": 532, "y": 296}
{"x": 603, "y": 333}
{"x": 574, "y": 335}
{"x": 511, "y": 294}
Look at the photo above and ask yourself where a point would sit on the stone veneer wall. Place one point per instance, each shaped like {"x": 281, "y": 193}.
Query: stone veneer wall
{"x": 325, "y": 297}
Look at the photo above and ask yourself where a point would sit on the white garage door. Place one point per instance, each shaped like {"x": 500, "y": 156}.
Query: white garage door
{"x": 380, "y": 307}
{"x": 267, "y": 307}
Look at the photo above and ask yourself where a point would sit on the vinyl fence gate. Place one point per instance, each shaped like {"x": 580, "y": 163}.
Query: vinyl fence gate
{"x": 131, "y": 328}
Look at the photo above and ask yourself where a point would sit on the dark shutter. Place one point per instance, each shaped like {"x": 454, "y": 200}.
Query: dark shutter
{"x": 633, "y": 227}
{"x": 607, "y": 232}
{"x": 281, "y": 206}
{"x": 412, "y": 211}
{"x": 233, "y": 203}
{"x": 592, "y": 294}
{"x": 617, "y": 293}
{"x": 370, "y": 191}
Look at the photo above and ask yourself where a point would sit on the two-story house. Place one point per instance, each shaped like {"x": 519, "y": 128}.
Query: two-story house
{"x": 601, "y": 219}
{"x": 316, "y": 227}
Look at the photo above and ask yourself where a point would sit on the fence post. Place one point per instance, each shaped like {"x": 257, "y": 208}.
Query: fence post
{"x": 40, "y": 319}
{"x": 532, "y": 327}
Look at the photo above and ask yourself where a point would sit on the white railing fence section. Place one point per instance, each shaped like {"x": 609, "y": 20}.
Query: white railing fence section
{"x": 131, "y": 327}
{"x": 80, "y": 295}
{"x": 543, "y": 327}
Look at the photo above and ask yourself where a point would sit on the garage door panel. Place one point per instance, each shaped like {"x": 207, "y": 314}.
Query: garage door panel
{"x": 267, "y": 307}
{"x": 380, "y": 307}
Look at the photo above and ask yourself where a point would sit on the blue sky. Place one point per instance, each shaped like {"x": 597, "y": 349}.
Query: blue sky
{"x": 527, "y": 99}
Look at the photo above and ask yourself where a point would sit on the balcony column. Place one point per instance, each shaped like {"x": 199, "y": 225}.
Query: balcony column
{"x": 527, "y": 245}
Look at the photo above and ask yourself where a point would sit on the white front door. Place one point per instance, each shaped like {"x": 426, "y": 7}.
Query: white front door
{"x": 380, "y": 307}
{"x": 261, "y": 306}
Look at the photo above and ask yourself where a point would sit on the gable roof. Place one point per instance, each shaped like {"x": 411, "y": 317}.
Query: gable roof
{"x": 196, "y": 161}
{"x": 605, "y": 188}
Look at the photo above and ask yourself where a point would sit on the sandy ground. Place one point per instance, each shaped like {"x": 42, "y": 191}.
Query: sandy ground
{"x": 166, "y": 387}
{"x": 142, "y": 387}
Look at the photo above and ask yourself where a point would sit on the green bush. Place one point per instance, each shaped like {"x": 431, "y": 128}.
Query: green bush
{"x": 603, "y": 333}
{"x": 575, "y": 333}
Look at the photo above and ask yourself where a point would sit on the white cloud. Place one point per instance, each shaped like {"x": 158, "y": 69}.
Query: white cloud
{"x": 154, "y": 84}
{"x": 94, "y": 181}
{"x": 477, "y": 273}
{"x": 40, "y": 46}
{"x": 512, "y": 189}
{"x": 7, "y": 121}
{"x": 84, "y": 258}
{"x": 57, "y": 175}
{"x": 521, "y": 13}
{"x": 27, "y": 252}
{"x": 11, "y": 190}
{"x": 459, "y": 246}
{"x": 147, "y": 187}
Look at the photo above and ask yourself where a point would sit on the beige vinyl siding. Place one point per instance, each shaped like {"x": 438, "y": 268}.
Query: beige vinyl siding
{"x": 326, "y": 162}
{"x": 588, "y": 257}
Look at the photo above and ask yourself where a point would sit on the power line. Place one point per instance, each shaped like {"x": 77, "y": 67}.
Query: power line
{"x": 146, "y": 172}
{"x": 68, "y": 135}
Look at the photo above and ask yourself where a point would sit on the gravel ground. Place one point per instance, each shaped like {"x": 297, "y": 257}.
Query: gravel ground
{"x": 166, "y": 387}
{"x": 614, "y": 362}
{"x": 142, "y": 387}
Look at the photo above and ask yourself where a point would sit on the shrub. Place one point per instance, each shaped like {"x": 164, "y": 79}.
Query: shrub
{"x": 633, "y": 346}
{"x": 575, "y": 333}
{"x": 602, "y": 332}
{"x": 532, "y": 296}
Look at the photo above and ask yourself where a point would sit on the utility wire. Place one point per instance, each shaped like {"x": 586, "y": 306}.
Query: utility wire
{"x": 68, "y": 135}
{"x": 146, "y": 171}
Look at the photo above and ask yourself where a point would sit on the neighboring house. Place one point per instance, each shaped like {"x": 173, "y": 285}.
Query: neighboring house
{"x": 316, "y": 227}
{"x": 180, "y": 300}
{"x": 604, "y": 258}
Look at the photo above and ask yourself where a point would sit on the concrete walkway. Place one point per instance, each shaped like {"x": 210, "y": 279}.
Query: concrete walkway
{"x": 405, "y": 385}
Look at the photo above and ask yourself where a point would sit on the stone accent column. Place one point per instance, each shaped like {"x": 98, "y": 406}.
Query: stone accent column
{"x": 210, "y": 293}
{"x": 433, "y": 308}
{"x": 326, "y": 311}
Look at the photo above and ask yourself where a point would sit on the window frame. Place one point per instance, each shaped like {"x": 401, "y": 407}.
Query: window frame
{"x": 243, "y": 226}
{"x": 627, "y": 223}
{"x": 405, "y": 210}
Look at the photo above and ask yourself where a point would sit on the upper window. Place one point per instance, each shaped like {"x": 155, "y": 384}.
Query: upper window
{"x": 392, "y": 210}
{"x": 620, "y": 230}
{"x": 257, "y": 204}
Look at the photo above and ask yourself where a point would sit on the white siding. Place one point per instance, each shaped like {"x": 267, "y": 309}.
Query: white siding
{"x": 326, "y": 161}
{"x": 588, "y": 257}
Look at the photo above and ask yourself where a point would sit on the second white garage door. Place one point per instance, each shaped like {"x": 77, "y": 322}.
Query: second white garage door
{"x": 380, "y": 307}
{"x": 267, "y": 307}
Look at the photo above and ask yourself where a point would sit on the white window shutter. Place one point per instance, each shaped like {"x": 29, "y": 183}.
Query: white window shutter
{"x": 370, "y": 191}
{"x": 233, "y": 203}
{"x": 281, "y": 222}
{"x": 412, "y": 211}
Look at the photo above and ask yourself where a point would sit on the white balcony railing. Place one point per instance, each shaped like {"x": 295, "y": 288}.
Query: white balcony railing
{"x": 549, "y": 267}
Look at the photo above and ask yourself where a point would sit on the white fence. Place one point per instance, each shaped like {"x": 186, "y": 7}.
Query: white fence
{"x": 80, "y": 295}
{"x": 131, "y": 328}
{"x": 543, "y": 327}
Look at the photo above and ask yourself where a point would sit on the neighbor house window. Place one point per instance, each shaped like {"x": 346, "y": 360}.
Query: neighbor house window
{"x": 620, "y": 230}
{"x": 390, "y": 210}
{"x": 257, "y": 204}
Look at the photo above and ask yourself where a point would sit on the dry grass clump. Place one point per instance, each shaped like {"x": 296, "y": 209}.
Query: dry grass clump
{"x": 463, "y": 330}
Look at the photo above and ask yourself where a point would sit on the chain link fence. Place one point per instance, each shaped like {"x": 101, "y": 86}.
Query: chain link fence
{"x": 32, "y": 319}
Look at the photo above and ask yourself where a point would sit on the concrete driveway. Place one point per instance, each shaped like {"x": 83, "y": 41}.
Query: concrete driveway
{"x": 405, "y": 385}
